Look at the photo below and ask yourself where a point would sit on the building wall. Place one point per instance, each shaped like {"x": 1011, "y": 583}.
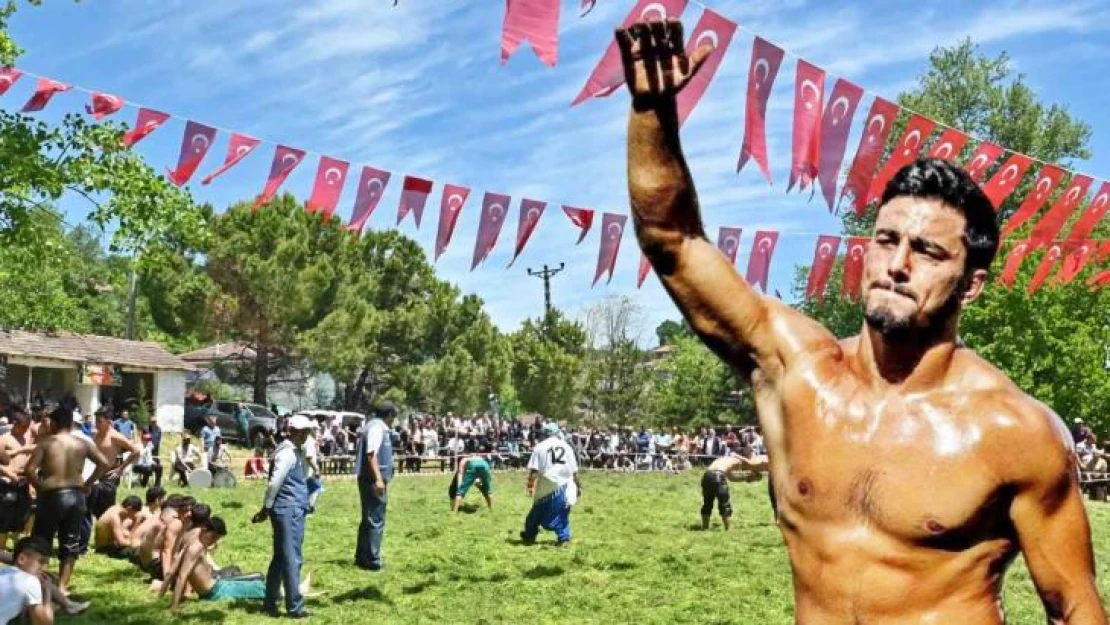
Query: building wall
{"x": 169, "y": 400}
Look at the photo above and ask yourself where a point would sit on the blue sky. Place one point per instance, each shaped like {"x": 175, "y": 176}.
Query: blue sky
{"x": 419, "y": 89}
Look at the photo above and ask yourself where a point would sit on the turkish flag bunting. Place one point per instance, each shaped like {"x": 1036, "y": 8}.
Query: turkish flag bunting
{"x": 1077, "y": 254}
{"x": 984, "y": 156}
{"x": 285, "y": 161}
{"x": 146, "y": 122}
{"x": 371, "y": 185}
{"x": 582, "y": 218}
{"x": 880, "y": 120}
{"x": 728, "y": 241}
{"x": 494, "y": 208}
{"x": 853, "y": 267}
{"x": 103, "y": 105}
{"x": 904, "y": 152}
{"x": 608, "y": 75}
{"x": 645, "y": 267}
{"x": 1054, "y": 220}
{"x": 1014, "y": 258}
{"x": 454, "y": 196}
{"x": 534, "y": 20}
{"x": 764, "y": 68}
{"x": 414, "y": 196}
{"x": 612, "y": 229}
{"x": 824, "y": 256}
{"x": 1048, "y": 262}
{"x": 1009, "y": 175}
{"x": 238, "y": 148}
{"x": 8, "y": 76}
{"x": 809, "y": 93}
{"x": 331, "y": 174}
{"x": 836, "y": 123}
{"x": 1091, "y": 217}
{"x": 710, "y": 29}
{"x": 948, "y": 145}
{"x": 1047, "y": 179}
{"x": 530, "y": 213}
{"x": 194, "y": 145}
{"x": 759, "y": 263}
{"x": 1103, "y": 252}
{"x": 44, "y": 90}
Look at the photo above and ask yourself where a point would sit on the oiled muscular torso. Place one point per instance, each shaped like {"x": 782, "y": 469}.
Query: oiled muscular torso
{"x": 894, "y": 508}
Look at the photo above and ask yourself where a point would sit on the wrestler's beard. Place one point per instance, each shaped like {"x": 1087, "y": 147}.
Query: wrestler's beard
{"x": 903, "y": 330}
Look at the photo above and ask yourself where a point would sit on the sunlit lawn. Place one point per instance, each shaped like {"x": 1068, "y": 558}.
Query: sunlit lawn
{"x": 636, "y": 557}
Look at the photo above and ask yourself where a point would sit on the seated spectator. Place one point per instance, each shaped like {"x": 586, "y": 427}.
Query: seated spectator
{"x": 148, "y": 463}
{"x": 1091, "y": 458}
{"x": 186, "y": 459}
{"x": 21, "y": 590}
{"x": 113, "y": 529}
{"x": 218, "y": 457}
{"x": 210, "y": 432}
{"x": 256, "y": 466}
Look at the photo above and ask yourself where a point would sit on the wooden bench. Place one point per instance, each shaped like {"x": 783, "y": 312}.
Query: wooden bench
{"x": 1096, "y": 485}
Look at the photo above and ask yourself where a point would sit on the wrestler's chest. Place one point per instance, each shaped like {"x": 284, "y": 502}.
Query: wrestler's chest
{"x": 910, "y": 473}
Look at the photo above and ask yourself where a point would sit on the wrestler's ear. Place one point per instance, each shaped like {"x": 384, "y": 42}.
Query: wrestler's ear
{"x": 972, "y": 286}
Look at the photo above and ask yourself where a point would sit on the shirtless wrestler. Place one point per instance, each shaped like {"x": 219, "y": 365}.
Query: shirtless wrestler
{"x": 714, "y": 483}
{"x": 112, "y": 532}
{"x": 61, "y": 491}
{"x": 909, "y": 472}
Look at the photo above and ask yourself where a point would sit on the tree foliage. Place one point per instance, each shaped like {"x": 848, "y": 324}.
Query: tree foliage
{"x": 616, "y": 377}
{"x": 547, "y": 363}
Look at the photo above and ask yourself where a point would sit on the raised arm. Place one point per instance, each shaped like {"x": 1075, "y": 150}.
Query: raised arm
{"x": 1054, "y": 533}
{"x": 744, "y": 328}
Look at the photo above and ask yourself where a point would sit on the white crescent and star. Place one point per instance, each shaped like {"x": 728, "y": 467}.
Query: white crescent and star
{"x": 1008, "y": 175}
{"x": 1054, "y": 252}
{"x": 915, "y": 136}
{"x": 766, "y": 71}
{"x": 824, "y": 250}
{"x": 764, "y": 245}
{"x": 242, "y": 150}
{"x": 290, "y": 160}
{"x": 1047, "y": 185}
{"x": 978, "y": 163}
{"x": 7, "y": 79}
{"x": 944, "y": 150}
{"x": 454, "y": 201}
{"x": 614, "y": 234}
{"x": 837, "y": 102}
{"x": 807, "y": 83}
{"x": 374, "y": 186}
{"x": 532, "y": 214}
{"x": 731, "y": 244}
{"x": 152, "y": 124}
{"x": 711, "y": 35}
{"x": 655, "y": 8}
{"x": 199, "y": 139}
{"x": 858, "y": 251}
{"x": 329, "y": 172}
{"x": 496, "y": 212}
{"x": 872, "y": 136}
{"x": 1073, "y": 194}
{"x": 1100, "y": 202}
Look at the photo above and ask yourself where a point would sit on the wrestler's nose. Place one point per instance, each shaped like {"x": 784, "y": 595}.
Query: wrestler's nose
{"x": 899, "y": 264}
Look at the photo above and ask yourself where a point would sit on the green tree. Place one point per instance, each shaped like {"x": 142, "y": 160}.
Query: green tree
{"x": 669, "y": 332}
{"x": 547, "y": 359}
{"x": 1052, "y": 344}
{"x": 277, "y": 270}
{"x": 616, "y": 376}
{"x": 694, "y": 387}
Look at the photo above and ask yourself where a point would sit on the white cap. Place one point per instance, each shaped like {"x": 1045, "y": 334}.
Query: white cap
{"x": 301, "y": 422}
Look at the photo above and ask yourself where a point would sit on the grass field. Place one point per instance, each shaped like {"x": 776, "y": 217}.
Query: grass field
{"x": 637, "y": 557}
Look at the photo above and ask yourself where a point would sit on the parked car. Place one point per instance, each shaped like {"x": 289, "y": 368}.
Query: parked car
{"x": 260, "y": 427}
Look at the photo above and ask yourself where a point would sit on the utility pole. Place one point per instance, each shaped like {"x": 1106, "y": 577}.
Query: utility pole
{"x": 546, "y": 274}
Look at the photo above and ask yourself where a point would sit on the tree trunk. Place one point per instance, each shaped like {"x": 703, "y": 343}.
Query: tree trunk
{"x": 356, "y": 391}
{"x": 261, "y": 373}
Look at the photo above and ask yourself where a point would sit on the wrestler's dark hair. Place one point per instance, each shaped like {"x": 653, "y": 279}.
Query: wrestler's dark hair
{"x": 132, "y": 503}
{"x": 216, "y": 525}
{"x": 201, "y": 513}
{"x": 154, "y": 493}
{"x": 61, "y": 417}
{"x": 173, "y": 502}
{"x": 31, "y": 544}
{"x": 933, "y": 178}
{"x": 453, "y": 487}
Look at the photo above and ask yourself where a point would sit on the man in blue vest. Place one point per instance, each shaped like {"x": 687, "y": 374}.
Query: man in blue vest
{"x": 285, "y": 505}
{"x": 374, "y": 468}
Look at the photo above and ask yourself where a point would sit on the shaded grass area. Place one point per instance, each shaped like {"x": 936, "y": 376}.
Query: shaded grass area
{"x": 638, "y": 555}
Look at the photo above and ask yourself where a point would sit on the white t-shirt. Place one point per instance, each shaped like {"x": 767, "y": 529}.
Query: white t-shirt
{"x": 555, "y": 461}
{"x": 18, "y": 591}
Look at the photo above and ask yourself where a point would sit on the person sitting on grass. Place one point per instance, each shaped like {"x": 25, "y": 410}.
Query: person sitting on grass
{"x": 470, "y": 470}
{"x": 113, "y": 529}
{"x": 21, "y": 589}
{"x": 255, "y": 468}
{"x": 192, "y": 569}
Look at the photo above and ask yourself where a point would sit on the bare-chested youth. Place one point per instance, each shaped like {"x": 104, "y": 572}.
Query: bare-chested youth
{"x": 909, "y": 472}
{"x": 61, "y": 491}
